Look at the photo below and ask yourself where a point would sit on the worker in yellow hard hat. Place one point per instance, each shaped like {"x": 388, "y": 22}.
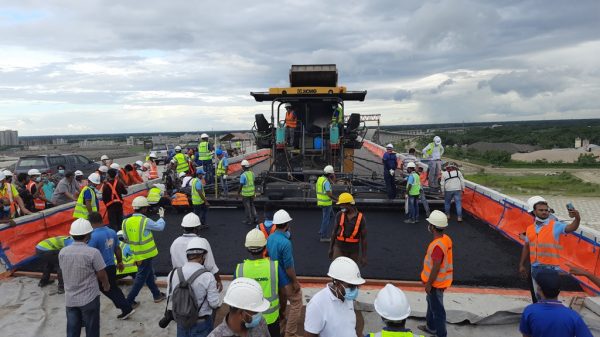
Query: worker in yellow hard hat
{"x": 349, "y": 234}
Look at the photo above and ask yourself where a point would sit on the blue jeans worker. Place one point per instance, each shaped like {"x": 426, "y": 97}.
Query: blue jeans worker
{"x": 222, "y": 166}
{"x": 413, "y": 192}
{"x": 325, "y": 199}
{"x": 390, "y": 164}
{"x": 453, "y": 185}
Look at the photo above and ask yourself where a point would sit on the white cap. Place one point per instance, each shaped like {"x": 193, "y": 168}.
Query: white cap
{"x": 437, "y": 140}
{"x": 328, "y": 169}
{"x": 246, "y": 294}
{"x": 204, "y": 135}
{"x": 81, "y": 227}
{"x": 411, "y": 164}
{"x": 245, "y": 163}
{"x": 534, "y": 200}
{"x": 281, "y": 217}
{"x": 7, "y": 173}
{"x": 190, "y": 220}
{"x": 391, "y": 303}
{"x": 152, "y": 154}
{"x": 389, "y": 146}
{"x": 115, "y": 166}
{"x": 103, "y": 169}
{"x": 2, "y": 176}
{"x": 181, "y": 174}
{"x": 78, "y": 173}
{"x": 139, "y": 202}
{"x": 139, "y": 163}
{"x": 94, "y": 178}
{"x": 34, "y": 172}
{"x": 177, "y": 148}
{"x": 346, "y": 270}
{"x": 438, "y": 219}
{"x": 255, "y": 239}
{"x": 104, "y": 157}
{"x": 197, "y": 244}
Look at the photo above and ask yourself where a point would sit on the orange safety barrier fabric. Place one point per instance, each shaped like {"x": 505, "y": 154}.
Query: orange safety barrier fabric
{"x": 253, "y": 158}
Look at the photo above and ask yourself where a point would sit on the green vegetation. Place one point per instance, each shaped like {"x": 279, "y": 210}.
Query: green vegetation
{"x": 502, "y": 159}
{"x": 561, "y": 184}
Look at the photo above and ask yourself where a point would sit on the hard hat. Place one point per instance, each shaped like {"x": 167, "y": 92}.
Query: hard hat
{"x": 246, "y": 294}
{"x": 345, "y": 198}
{"x": 177, "y": 148}
{"x": 437, "y": 140}
{"x": 139, "y": 202}
{"x": 281, "y": 217}
{"x": 534, "y": 200}
{"x": 438, "y": 219}
{"x": 139, "y": 163}
{"x": 389, "y": 146}
{"x": 200, "y": 170}
{"x": 2, "y": 176}
{"x": 345, "y": 269}
{"x": 104, "y": 157}
{"x": 152, "y": 155}
{"x": 115, "y": 166}
{"x": 288, "y": 105}
{"x": 94, "y": 178}
{"x": 190, "y": 220}
{"x": 197, "y": 244}
{"x": 34, "y": 172}
{"x": 120, "y": 232}
{"x": 161, "y": 187}
{"x": 103, "y": 169}
{"x": 78, "y": 173}
{"x": 181, "y": 174}
{"x": 7, "y": 173}
{"x": 204, "y": 135}
{"x": 391, "y": 303}
{"x": 328, "y": 169}
{"x": 147, "y": 165}
{"x": 411, "y": 164}
{"x": 255, "y": 239}
{"x": 245, "y": 163}
{"x": 81, "y": 227}
{"x": 219, "y": 152}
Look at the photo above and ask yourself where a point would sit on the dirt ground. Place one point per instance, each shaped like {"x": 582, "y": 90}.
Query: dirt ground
{"x": 566, "y": 155}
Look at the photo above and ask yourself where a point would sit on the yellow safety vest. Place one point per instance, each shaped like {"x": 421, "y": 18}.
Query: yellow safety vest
{"x": 81, "y": 211}
{"x": 55, "y": 243}
{"x": 220, "y": 168}
{"x": 248, "y": 188}
{"x": 385, "y": 333}
{"x": 142, "y": 245}
{"x": 182, "y": 162}
{"x": 322, "y": 198}
{"x": 196, "y": 199}
{"x": 203, "y": 151}
{"x": 415, "y": 189}
{"x": 154, "y": 195}
{"x": 265, "y": 272}
{"x": 128, "y": 261}
{"x": 430, "y": 148}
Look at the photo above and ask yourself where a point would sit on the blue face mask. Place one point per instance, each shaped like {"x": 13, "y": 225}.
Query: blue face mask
{"x": 254, "y": 322}
{"x": 351, "y": 293}
{"x": 61, "y": 172}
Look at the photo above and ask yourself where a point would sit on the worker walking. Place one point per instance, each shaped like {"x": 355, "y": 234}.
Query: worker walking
{"x": 264, "y": 271}
{"x": 205, "y": 156}
{"x": 291, "y": 123}
{"x": 113, "y": 191}
{"x": 247, "y": 191}
{"x": 87, "y": 202}
{"x": 47, "y": 251}
{"x": 325, "y": 199}
{"x": 199, "y": 202}
{"x": 392, "y": 305}
{"x": 349, "y": 237}
{"x": 390, "y": 164}
{"x": 222, "y": 166}
{"x": 413, "y": 192}
{"x": 437, "y": 274}
{"x": 330, "y": 312}
{"x": 181, "y": 160}
{"x": 453, "y": 185}
{"x": 433, "y": 152}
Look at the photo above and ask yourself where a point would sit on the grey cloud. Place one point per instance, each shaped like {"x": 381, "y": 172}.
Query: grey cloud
{"x": 526, "y": 83}
{"x": 402, "y": 95}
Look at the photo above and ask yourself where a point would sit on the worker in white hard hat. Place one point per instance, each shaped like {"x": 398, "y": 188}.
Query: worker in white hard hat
{"x": 433, "y": 153}
{"x": 205, "y": 156}
{"x": 201, "y": 283}
{"x": 153, "y": 167}
{"x": 390, "y": 165}
{"x": 392, "y": 306}
{"x": 266, "y": 272}
{"x": 413, "y": 192}
{"x": 79, "y": 179}
{"x": 106, "y": 161}
{"x": 291, "y": 123}
{"x": 87, "y": 202}
{"x": 349, "y": 235}
{"x": 437, "y": 274}
{"x": 137, "y": 231}
{"x": 246, "y": 304}
{"x": 191, "y": 226}
{"x": 542, "y": 248}
{"x": 330, "y": 312}
{"x": 34, "y": 186}
{"x": 248, "y": 192}
{"x": 325, "y": 200}
{"x": 83, "y": 270}
{"x": 182, "y": 161}
{"x": 452, "y": 186}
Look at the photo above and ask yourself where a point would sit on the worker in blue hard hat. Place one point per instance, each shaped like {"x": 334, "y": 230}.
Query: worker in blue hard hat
{"x": 199, "y": 202}
{"x": 221, "y": 172}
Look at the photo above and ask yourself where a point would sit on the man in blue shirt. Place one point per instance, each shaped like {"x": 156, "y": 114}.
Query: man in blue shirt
{"x": 549, "y": 317}
{"x": 390, "y": 164}
{"x": 105, "y": 239}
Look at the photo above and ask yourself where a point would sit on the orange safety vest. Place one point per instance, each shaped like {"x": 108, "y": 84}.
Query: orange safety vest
{"x": 444, "y": 277}
{"x": 423, "y": 178}
{"x": 39, "y": 203}
{"x": 134, "y": 177}
{"x": 114, "y": 196}
{"x": 153, "y": 170}
{"x": 352, "y": 238}
{"x": 124, "y": 177}
{"x": 263, "y": 229}
{"x": 543, "y": 248}
{"x": 291, "y": 121}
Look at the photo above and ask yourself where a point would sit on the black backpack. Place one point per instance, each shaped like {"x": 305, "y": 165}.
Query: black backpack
{"x": 185, "y": 304}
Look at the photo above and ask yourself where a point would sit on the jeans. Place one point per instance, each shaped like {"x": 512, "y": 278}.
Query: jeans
{"x": 49, "y": 259}
{"x": 200, "y": 211}
{"x": 435, "y": 167}
{"x": 436, "y": 314}
{"x": 115, "y": 294}
{"x": 224, "y": 186}
{"x": 289, "y": 136}
{"x": 201, "y": 329}
{"x": 274, "y": 329}
{"x": 145, "y": 275}
{"x": 424, "y": 202}
{"x": 457, "y": 196}
{"x": 390, "y": 184}
{"x": 249, "y": 209}
{"x": 88, "y": 316}
{"x": 413, "y": 207}
{"x": 208, "y": 167}
{"x": 326, "y": 220}
{"x": 115, "y": 216}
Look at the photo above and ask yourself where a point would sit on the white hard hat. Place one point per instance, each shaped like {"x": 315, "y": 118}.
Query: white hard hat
{"x": 437, "y": 140}
{"x": 438, "y": 219}
{"x": 120, "y": 232}
{"x": 345, "y": 269}
{"x": 140, "y": 202}
{"x": 78, "y": 173}
{"x": 2, "y": 176}
{"x": 147, "y": 165}
{"x": 288, "y": 105}
{"x": 204, "y": 135}
{"x": 329, "y": 169}
{"x": 161, "y": 187}
{"x": 255, "y": 239}
{"x": 7, "y": 173}
{"x": 534, "y": 200}
{"x": 94, "y": 178}
{"x": 411, "y": 164}
{"x": 245, "y": 163}
{"x": 391, "y": 303}
{"x": 281, "y": 217}
{"x": 177, "y": 148}
{"x": 34, "y": 172}
{"x": 115, "y": 166}
{"x": 389, "y": 146}
{"x": 246, "y": 294}
{"x": 197, "y": 243}
{"x": 104, "y": 157}
{"x": 81, "y": 227}
{"x": 190, "y": 220}
{"x": 152, "y": 155}
{"x": 139, "y": 163}
{"x": 103, "y": 169}
{"x": 181, "y": 174}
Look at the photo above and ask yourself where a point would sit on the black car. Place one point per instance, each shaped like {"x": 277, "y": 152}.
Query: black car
{"x": 49, "y": 163}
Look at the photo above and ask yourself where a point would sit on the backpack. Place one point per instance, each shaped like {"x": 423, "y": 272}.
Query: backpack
{"x": 185, "y": 304}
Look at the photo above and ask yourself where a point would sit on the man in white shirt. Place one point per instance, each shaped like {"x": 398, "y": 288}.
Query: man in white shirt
{"x": 191, "y": 227}
{"x": 330, "y": 312}
{"x": 453, "y": 185}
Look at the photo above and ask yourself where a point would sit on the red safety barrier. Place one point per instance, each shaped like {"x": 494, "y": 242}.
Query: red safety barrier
{"x": 253, "y": 158}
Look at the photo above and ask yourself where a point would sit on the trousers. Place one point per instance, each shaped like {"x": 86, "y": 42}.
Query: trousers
{"x": 88, "y": 316}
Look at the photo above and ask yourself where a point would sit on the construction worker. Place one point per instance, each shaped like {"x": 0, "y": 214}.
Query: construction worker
{"x": 390, "y": 164}
{"x": 137, "y": 231}
{"x": 153, "y": 169}
{"x": 246, "y": 304}
{"x": 129, "y": 266}
{"x": 34, "y": 186}
{"x": 542, "y": 247}
{"x": 102, "y": 171}
{"x": 266, "y": 227}
{"x": 105, "y": 160}
{"x": 337, "y": 117}
{"x": 199, "y": 202}
{"x": 10, "y": 196}
{"x": 433, "y": 152}
{"x": 325, "y": 199}
{"x": 452, "y": 186}
{"x": 88, "y": 200}
{"x": 392, "y": 305}
{"x": 330, "y": 312}
{"x": 21, "y": 186}
{"x": 349, "y": 232}
{"x": 66, "y": 190}
{"x": 437, "y": 274}
{"x": 264, "y": 271}
{"x": 139, "y": 168}
{"x": 191, "y": 229}
{"x": 280, "y": 249}
{"x": 181, "y": 160}
{"x": 413, "y": 192}
{"x": 291, "y": 123}
{"x": 221, "y": 173}
{"x": 410, "y": 157}
{"x": 248, "y": 192}
{"x": 47, "y": 252}
{"x": 79, "y": 179}
{"x": 205, "y": 156}
{"x": 157, "y": 196}
{"x": 113, "y": 191}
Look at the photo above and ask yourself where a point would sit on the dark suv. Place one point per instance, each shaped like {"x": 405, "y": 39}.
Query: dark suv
{"x": 49, "y": 163}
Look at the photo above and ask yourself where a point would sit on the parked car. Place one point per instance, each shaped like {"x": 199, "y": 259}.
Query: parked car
{"x": 164, "y": 152}
{"x": 49, "y": 163}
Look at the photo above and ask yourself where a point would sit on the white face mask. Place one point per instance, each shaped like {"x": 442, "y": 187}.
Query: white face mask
{"x": 537, "y": 219}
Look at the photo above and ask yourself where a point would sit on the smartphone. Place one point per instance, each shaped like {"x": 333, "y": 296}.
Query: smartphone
{"x": 570, "y": 207}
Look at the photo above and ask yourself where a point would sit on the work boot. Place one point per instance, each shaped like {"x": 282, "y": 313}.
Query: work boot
{"x": 44, "y": 283}
{"x": 409, "y": 221}
{"x": 325, "y": 240}
{"x": 160, "y": 298}
{"x": 424, "y": 328}
{"x": 126, "y": 315}
{"x": 459, "y": 219}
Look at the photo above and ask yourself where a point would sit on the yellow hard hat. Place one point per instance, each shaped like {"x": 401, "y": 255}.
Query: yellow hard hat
{"x": 345, "y": 198}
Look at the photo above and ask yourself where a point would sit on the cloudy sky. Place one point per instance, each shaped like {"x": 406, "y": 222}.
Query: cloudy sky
{"x": 104, "y": 66}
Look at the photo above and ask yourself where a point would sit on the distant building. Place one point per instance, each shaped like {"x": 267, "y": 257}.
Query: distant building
{"x": 9, "y": 138}
{"x": 577, "y": 142}
{"x": 130, "y": 141}
{"x": 96, "y": 143}
{"x": 59, "y": 141}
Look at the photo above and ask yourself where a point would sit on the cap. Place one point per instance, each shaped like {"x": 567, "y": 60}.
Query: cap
{"x": 78, "y": 173}
{"x": 103, "y": 169}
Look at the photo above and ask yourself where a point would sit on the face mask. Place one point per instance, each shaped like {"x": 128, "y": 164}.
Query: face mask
{"x": 254, "y": 322}
{"x": 537, "y": 219}
{"x": 38, "y": 179}
{"x": 61, "y": 171}
{"x": 6, "y": 208}
{"x": 351, "y": 293}
{"x": 344, "y": 210}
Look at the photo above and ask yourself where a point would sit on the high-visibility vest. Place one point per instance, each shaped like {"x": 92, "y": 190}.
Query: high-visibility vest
{"x": 415, "y": 189}
{"x": 430, "y": 148}
{"x": 55, "y": 243}
{"x": 196, "y": 195}
{"x": 182, "y": 162}
{"x": 38, "y": 203}
{"x": 264, "y": 230}
{"x": 352, "y": 238}
{"x": 203, "y": 151}
{"x": 221, "y": 170}
{"x": 322, "y": 198}
{"x": 81, "y": 211}
{"x": 142, "y": 245}
{"x": 153, "y": 170}
{"x": 265, "y": 272}
{"x": 543, "y": 248}
{"x": 128, "y": 261}
{"x": 134, "y": 177}
{"x": 444, "y": 277}
{"x": 114, "y": 196}
{"x": 7, "y": 192}
{"x": 291, "y": 121}
{"x": 248, "y": 188}
{"x": 154, "y": 195}
{"x": 385, "y": 333}
{"x": 125, "y": 177}
{"x": 340, "y": 116}
{"x": 423, "y": 179}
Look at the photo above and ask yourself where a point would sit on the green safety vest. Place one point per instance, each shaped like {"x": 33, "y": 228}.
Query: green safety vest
{"x": 248, "y": 188}
{"x": 55, "y": 243}
{"x": 153, "y": 195}
{"x": 265, "y": 272}
{"x": 415, "y": 189}
{"x": 128, "y": 262}
{"x": 430, "y": 148}
{"x": 196, "y": 199}
{"x": 142, "y": 245}
{"x": 221, "y": 171}
{"x": 182, "y": 162}
{"x": 385, "y": 333}
{"x": 340, "y": 116}
{"x": 203, "y": 151}
{"x": 322, "y": 198}
{"x": 81, "y": 211}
